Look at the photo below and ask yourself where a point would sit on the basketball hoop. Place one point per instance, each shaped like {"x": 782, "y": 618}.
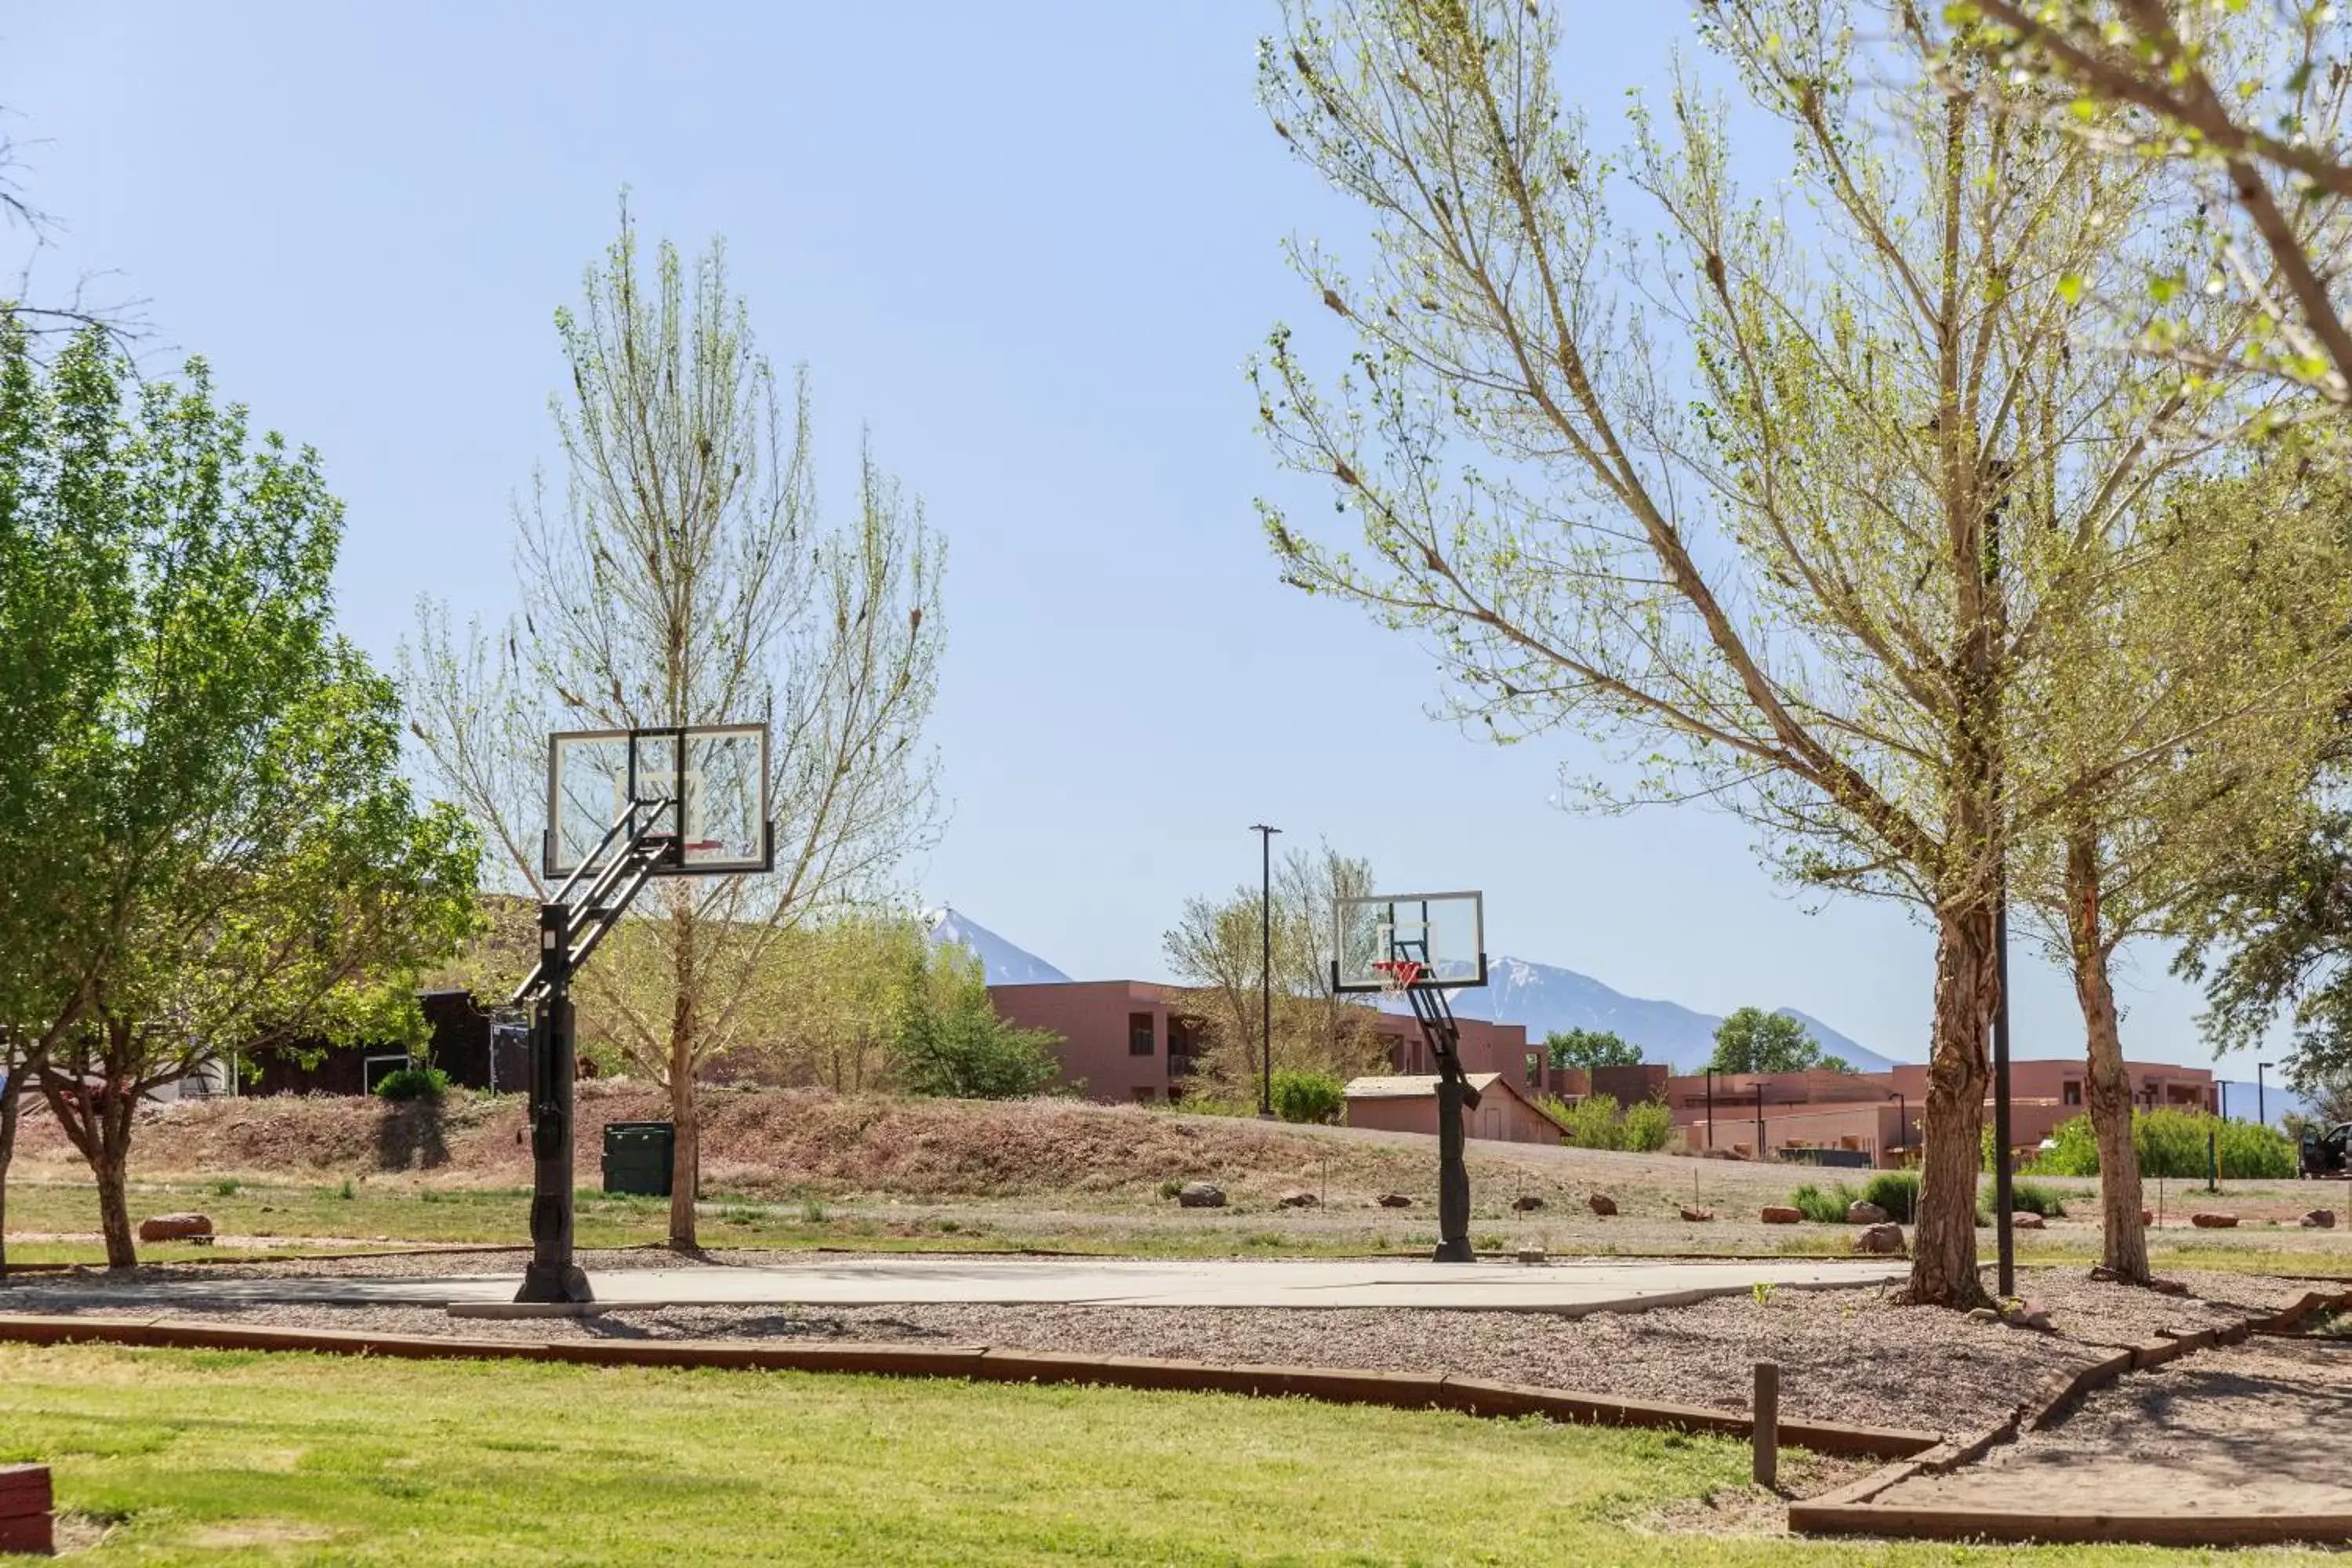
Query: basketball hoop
{"x": 1397, "y": 973}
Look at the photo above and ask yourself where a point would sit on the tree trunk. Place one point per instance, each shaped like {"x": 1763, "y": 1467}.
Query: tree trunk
{"x": 686, "y": 1164}
{"x": 2124, "y": 1248}
{"x": 12, "y": 1099}
{"x": 1944, "y": 1246}
{"x": 111, "y": 1166}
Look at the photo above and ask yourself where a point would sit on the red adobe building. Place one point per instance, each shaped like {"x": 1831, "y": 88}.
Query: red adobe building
{"x": 1129, "y": 1040}
{"x": 1877, "y": 1113}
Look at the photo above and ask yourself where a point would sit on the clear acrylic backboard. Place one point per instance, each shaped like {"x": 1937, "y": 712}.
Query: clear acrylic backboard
{"x": 1423, "y": 941}
{"x": 715, "y": 776}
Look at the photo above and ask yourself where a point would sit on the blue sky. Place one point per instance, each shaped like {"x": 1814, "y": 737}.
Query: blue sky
{"x": 1030, "y": 246}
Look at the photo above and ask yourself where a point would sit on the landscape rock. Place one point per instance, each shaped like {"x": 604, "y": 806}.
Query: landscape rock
{"x": 1697, "y": 1216}
{"x": 1601, "y": 1202}
{"x": 1883, "y": 1240}
{"x": 2028, "y": 1315}
{"x": 2026, "y": 1219}
{"x": 177, "y": 1228}
{"x": 2319, "y": 1219}
{"x": 1781, "y": 1214}
{"x": 1297, "y": 1199}
{"x": 1983, "y": 1315}
{"x": 2213, "y": 1221}
{"x": 1200, "y": 1195}
{"x": 1395, "y": 1200}
{"x": 1526, "y": 1203}
{"x": 1531, "y": 1255}
{"x": 1864, "y": 1214}
{"x": 2147, "y": 1216}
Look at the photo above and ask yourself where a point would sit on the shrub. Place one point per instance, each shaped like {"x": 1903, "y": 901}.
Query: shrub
{"x": 1647, "y": 1126}
{"x": 413, "y": 1083}
{"x": 2173, "y": 1144}
{"x": 1314, "y": 1097}
{"x": 1896, "y": 1192}
{"x": 2027, "y": 1197}
{"x": 1593, "y": 1122}
{"x": 1822, "y": 1208}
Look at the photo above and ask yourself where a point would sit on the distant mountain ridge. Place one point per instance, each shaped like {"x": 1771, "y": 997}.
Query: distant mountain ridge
{"x": 999, "y": 961}
{"x": 1544, "y": 998}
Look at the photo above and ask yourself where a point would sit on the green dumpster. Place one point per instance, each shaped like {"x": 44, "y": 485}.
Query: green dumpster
{"x": 638, "y": 1157}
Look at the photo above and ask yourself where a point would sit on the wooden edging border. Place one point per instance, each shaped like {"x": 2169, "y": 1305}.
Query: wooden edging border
{"x": 1851, "y": 1510}
{"x": 1337, "y": 1386}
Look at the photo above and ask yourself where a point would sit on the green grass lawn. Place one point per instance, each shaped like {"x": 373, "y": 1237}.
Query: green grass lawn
{"x": 207, "y": 1457}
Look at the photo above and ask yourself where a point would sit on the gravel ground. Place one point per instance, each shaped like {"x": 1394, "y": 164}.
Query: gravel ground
{"x": 2242, "y": 1429}
{"x": 1845, "y": 1356}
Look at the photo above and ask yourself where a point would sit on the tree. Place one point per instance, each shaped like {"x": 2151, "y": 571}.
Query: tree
{"x": 687, "y": 577}
{"x": 247, "y": 866}
{"x": 1590, "y": 1048}
{"x": 2239, "y": 589}
{"x": 1778, "y": 576}
{"x": 2247, "y": 104}
{"x": 1752, "y": 1040}
{"x": 2269, "y": 939}
{"x": 951, "y": 1042}
{"x": 1217, "y": 950}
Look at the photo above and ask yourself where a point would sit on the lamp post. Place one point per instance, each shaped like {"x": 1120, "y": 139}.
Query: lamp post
{"x": 1265, "y": 969}
{"x": 1902, "y": 1118}
{"x": 2259, "y": 1116}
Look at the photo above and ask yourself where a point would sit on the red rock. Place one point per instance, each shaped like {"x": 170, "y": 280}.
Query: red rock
{"x": 177, "y": 1228}
{"x": 1781, "y": 1214}
{"x": 2147, "y": 1216}
{"x": 1695, "y": 1216}
{"x": 1526, "y": 1203}
{"x": 2319, "y": 1219}
{"x": 1395, "y": 1200}
{"x": 2025, "y": 1219}
{"x": 1882, "y": 1239}
{"x": 1602, "y": 1203}
{"x": 1864, "y": 1214}
{"x": 2213, "y": 1221}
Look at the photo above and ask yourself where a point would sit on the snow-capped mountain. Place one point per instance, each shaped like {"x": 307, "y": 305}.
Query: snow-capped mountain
{"x": 1544, "y": 997}
{"x": 1003, "y": 963}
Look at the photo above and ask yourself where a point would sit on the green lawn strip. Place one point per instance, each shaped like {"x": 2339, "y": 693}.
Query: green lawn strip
{"x": 199, "y": 1457}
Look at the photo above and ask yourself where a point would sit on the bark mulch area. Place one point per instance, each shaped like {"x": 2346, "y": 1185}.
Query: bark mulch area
{"x": 1846, "y": 1355}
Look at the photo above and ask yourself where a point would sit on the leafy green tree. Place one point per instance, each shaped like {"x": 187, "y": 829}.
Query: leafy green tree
{"x": 1752, "y": 1040}
{"x": 1805, "y": 570}
{"x": 952, "y": 1043}
{"x": 250, "y": 866}
{"x": 1590, "y": 1048}
{"x": 2240, "y": 585}
{"x": 683, "y": 573}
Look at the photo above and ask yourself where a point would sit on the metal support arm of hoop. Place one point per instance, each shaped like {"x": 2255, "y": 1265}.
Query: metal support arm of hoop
{"x": 571, "y": 922}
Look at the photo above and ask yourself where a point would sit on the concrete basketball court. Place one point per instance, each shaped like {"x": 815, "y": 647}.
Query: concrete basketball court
{"x": 1569, "y": 1288}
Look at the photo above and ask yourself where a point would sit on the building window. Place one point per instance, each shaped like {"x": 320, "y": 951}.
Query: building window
{"x": 1535, "y": 1069}
{"x": 2073, "y": 1092}
{"x": 1144, "y": 1094}
{"x": 1139, "y": 1034}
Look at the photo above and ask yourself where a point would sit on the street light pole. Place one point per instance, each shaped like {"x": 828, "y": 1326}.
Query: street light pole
{"x": 2261, "y": 1117}
{"x": 1265, "y": 969}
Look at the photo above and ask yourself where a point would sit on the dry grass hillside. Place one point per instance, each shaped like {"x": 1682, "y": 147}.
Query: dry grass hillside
{"x": 756, "y": 1142}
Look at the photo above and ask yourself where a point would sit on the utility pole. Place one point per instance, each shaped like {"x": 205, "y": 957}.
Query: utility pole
{"x": 2004, "y": 1203}
{"x": 2260, "y": 1115}
{"x": 1265, "y": 969}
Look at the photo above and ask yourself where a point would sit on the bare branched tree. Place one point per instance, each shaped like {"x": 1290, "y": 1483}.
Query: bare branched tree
{"x": 1806, "y": 571}
{"x": 684, "y": 576}
{"x": 46, "y": 319}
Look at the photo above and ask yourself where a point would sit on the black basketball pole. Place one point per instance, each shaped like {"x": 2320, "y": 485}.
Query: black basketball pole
{"x": 2002, "y": 1198}
{"x": 552, "y": 1275}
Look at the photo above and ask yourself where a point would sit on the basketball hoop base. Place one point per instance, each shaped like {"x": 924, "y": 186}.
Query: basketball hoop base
{"x": 547, "y": 1287}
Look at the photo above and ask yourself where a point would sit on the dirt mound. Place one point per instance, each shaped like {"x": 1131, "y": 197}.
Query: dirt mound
{"x": 756, "y": 1142}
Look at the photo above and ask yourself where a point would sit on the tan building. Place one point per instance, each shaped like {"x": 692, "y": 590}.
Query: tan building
{"x": 1407, "y": 1104}
{"x": 1876, "y": 1114}
{"x": 1131, "y": 1040}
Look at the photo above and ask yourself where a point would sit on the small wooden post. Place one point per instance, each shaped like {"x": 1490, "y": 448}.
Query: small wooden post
{"x": 1767, "y": 1435}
